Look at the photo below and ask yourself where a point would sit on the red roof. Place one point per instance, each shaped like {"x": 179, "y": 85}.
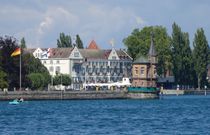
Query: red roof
{"x": 93, "y": 45}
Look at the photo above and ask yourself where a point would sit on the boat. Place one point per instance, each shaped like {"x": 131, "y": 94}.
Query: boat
{"x": 14, "y": 102}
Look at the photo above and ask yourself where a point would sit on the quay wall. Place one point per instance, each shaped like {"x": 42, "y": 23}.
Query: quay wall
{"x": 173, "y": 92}
{"x": 68, "y": 95}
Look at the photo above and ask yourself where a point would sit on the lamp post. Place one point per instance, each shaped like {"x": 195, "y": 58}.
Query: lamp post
{"x": 85, "y": 72}
{"x": 207, "y": 78}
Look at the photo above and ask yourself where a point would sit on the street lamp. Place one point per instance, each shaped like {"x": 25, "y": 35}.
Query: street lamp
{"x": 85, "y": 72}
{"x": 207, "y": 78}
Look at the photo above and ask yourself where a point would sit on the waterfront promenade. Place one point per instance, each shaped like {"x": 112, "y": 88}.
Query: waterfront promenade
{"x": 64, "y": 95}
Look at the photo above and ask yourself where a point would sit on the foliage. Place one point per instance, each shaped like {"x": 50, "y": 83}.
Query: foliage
{"x": 139, "y": 41}
{"x": 182, "y": 56}
{"x": 11, "y": 65}
{"x": 79, "y": 43}
{"x": 64, "y": 41}
{"x": 33, "y": 65}
{"x": 23, "y": 43}
{"x": 37, "y": 80}
{"x": 62, "y": 79}
{"x": 200, "y": 55}
{"x": 3, "y": 80}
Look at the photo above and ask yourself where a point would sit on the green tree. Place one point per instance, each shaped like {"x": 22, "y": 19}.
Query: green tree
{"x": 138, "y": 44}
{"x": 182, "y": 57}
{"x": 66, "y": 80}
{"x": 200, "y": 55}
{"x": 10, "y": 65}
{"x": 3, "y": 80}
{"x": 37, "y": 81}
{"x": 62, "y": 79}
{"x": 79, "y": 42}
{"x": 64, "y": 41}
{"x": 33, "y": 65}
{"x": 23, "y": 43}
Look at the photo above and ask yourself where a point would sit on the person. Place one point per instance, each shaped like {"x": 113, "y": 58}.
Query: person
{"x": 21, "y": 100}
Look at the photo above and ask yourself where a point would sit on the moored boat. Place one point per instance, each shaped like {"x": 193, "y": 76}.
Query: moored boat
{"x": 14, "y": 102}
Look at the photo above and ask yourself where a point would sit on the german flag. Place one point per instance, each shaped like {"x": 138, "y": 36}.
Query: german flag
{"x": 16, "y": 52}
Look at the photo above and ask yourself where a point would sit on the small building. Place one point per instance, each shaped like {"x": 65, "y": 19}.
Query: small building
{"x": 144, "y": 69}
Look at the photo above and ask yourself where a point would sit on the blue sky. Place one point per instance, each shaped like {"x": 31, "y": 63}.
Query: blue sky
{"x": 41, "y": 21}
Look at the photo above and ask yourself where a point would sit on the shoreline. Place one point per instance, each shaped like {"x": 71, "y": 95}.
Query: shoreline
{"x": 74, "y": 95}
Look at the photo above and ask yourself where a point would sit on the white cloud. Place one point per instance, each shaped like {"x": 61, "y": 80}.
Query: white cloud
{"x": 89, "y": 20}
{"x": 45, "y": 24}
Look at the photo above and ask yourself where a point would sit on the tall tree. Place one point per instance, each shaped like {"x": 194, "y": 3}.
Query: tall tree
{"x": 10, "y": 65}
{"x": 79, "y": 43}
{"x": 64, "y": 41}
{"x": 138, "y": 44}
{"x": 23, "y": 43}
{"x": 182, "y": 56}
{"x": 200, "y": 55}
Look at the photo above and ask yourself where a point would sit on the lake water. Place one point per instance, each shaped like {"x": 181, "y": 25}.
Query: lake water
{"x": 169, "y": 115}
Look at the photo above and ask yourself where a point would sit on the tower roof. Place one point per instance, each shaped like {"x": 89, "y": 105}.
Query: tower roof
{"x": 152, "y": 51}
{"x": 93, "y": 45}
{"x": 141, "y": 60}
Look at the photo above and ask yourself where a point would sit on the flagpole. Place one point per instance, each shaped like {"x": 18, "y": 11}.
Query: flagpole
{"x": 20, "y": 67}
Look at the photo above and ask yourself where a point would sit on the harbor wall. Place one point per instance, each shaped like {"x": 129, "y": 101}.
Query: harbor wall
{"x": 140, "y": 95}
{"x": 68, "y": 95}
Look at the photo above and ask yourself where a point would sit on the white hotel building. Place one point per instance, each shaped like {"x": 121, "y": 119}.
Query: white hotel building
{"x": 100, "y": 65}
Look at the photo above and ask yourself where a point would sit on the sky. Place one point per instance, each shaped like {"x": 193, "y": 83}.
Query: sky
{"x": 41, "y": 21}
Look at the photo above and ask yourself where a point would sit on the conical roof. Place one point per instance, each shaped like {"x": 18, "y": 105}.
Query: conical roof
{"x": 152, "y": 51}
{"x": 93, "y": 45}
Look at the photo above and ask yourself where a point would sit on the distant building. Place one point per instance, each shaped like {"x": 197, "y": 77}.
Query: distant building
{"x": 90, "y": 65}
{"x": 144, "y": 69}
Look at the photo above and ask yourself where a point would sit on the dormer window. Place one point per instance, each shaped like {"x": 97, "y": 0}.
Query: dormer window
{"x": 76, "y": 54}
{"x": 114, "y": 57}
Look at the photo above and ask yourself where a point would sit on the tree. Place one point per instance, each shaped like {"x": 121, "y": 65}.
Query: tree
{"x": 200, "y": 56}
{"x": 182, "y": 56}
{"x": 138, "y": 44}
{"x": 62, "y": 78}
{"x": 79, "y": 43}
{"x": 64, "y": 41}
{"x": 23, "y": 43}
{"x": 10, "y": 65}
{"x": 37, "y": 81}
{"x": 32, "y": 66}
{"x": 3, "y": 80}
{"x": 66, "y": 80}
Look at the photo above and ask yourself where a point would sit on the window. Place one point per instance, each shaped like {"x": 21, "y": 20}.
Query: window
{"x": 76, "y": 54}
{"x": 136, "y": 70}
{"x": 51, "y": 61}
{"x": 114, "y": 57}
{"x": 51, "y": 69}
{"x": 142, "y": 70}
{"x": 57, "y": 70}
{"x": 58, "y": 62}
{"x": 44, "y": 62}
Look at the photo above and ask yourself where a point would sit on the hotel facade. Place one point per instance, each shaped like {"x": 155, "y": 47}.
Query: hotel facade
{"x": 90, "y": 65}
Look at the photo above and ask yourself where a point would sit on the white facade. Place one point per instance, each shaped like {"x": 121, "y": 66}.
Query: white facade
{"x": 57, "y": 66}
{"x": 86, "y": 65}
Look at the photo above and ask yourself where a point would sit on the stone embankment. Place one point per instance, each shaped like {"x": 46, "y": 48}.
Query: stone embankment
{"x": 64, "y": 95}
